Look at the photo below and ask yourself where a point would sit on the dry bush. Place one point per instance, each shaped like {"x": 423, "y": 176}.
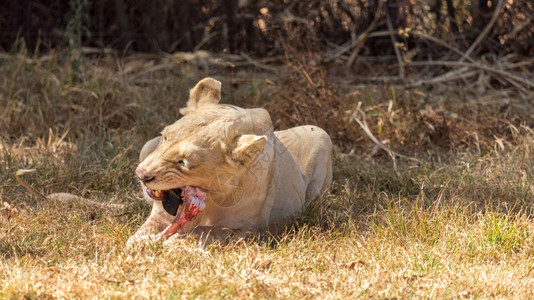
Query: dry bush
{"x": 409, "y": 120}
{"x": 299, "y": 99}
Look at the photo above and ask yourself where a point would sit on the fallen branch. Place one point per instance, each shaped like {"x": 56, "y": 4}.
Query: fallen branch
{"x": 61, "y": 197}
{"x": 480, "y": 66}
{"x": 462, "y": 73}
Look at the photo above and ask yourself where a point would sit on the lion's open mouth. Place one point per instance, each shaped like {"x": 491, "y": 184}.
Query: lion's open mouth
{"x": 185, "y": 203}
{"x": 171, "y": 199}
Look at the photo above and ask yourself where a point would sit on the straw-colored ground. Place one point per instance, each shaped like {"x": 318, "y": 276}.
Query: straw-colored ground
{"x": 452, "y": 222}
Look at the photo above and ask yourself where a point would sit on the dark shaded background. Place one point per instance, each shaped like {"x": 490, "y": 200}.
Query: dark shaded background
{"x": 260, "y": 27}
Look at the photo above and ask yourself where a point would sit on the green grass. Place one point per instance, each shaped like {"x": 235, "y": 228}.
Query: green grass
{"x": 457, "y": 223}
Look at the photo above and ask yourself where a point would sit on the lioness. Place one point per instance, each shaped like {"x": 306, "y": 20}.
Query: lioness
{"x": 247, "y": 175}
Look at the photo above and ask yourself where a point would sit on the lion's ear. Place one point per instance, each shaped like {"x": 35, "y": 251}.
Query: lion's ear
{"x": 148, "y": 148}
{"x": 246, "y": 148}
{"x": 206, "y": 92}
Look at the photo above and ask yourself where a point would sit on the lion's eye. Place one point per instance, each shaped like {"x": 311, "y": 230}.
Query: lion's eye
{"x": 164, "y": 139}
{"x": 181, "y": 162}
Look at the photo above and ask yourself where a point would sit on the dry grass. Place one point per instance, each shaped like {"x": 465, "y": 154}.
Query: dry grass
{"x": 456, "y": 223}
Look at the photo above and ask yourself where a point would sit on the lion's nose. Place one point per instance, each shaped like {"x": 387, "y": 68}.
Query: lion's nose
{"x": 143, "y": 175}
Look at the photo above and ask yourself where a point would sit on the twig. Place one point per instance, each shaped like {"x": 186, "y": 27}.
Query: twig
{"x": 521, "y": 63}
{"x": 462, "y": 73}
{"x": 441, "y": 43}
{"x": 394, "y": 42}
{"x": 310, "y": 81}
{"x": 486, "y": 30}
{"x": 365, "y": 35}
{"x": 358, "y": 42}
{"x": 518, "y": 28}
{"x": 28, "y": 187}
{"x": 365, "y": 127}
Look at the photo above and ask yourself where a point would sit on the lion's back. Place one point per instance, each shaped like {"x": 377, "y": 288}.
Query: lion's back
{"x": 311, "y": 148}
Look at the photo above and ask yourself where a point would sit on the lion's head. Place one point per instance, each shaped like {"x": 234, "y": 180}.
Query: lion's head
{"x": 208, "y": 147}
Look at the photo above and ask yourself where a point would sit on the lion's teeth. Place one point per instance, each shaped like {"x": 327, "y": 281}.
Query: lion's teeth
{"x": 158, "y": 193}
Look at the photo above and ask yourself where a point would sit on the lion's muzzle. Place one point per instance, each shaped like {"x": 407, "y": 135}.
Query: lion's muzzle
{"x": 143, "y": 175}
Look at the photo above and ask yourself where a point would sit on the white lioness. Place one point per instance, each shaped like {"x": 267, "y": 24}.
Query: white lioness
{"x": 252, "y": 177}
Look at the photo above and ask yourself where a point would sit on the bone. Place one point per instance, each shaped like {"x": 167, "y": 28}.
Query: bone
{"x": 193, "y": 205}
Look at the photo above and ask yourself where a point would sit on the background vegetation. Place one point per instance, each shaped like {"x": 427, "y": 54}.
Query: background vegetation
{"x": 429, "y": 105}
{"x": 260, "y": 27}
